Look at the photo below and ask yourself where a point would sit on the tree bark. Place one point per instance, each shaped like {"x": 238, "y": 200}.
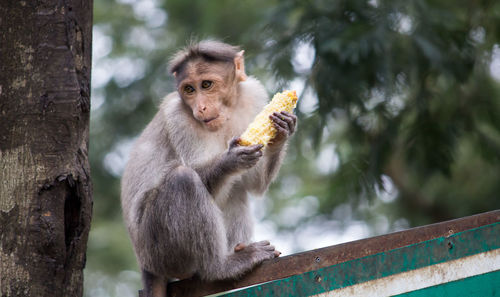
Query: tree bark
{"x": 45, "y": 188}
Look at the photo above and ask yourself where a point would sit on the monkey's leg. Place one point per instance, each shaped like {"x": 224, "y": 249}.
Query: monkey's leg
{"x": 182, "y": 232}
{"x": 205, "y": 232}
{"x": 154, "y": 286}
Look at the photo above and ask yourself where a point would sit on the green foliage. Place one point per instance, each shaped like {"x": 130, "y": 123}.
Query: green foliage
{"x": 399, "y": 109}
{"x": 408, "y": 84}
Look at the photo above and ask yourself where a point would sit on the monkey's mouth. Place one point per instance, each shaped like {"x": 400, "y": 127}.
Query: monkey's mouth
{"x": 206, "y": 121}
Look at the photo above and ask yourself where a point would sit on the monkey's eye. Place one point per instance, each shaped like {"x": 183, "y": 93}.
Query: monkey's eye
{"x": 206, "y": 84}
{"x": 188, "y": 89}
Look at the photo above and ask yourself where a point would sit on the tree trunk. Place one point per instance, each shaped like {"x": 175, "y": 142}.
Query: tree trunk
{"x": 45, "y": 189}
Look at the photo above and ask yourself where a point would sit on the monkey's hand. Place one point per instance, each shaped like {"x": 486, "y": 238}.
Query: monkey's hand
{"x": 241, "y": 157}
{"x": 284, "y": 123}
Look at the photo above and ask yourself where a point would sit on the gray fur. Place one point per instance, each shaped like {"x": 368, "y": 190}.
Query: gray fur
{"x": 185, "y": 196}
{"x": 208, "y": 50}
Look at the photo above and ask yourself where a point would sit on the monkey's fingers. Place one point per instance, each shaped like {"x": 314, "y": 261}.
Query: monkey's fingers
{"x": 239, "y": 247}
{"x": 251, "y": 149}
{"x": 250, "y": 158}
{"x": 283, "y": 121}
{"x": 269, "y": 248}
{"x": 290, "y": 119}
{"x": 291, "y": 116}
{"x": 281, "y": 131}
{"x": 235, "y": 141}
{"x": 262, "y": 243}
{"x": 256, "y": 154}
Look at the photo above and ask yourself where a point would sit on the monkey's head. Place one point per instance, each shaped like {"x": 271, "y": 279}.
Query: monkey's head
{"x": 207, "y": 76}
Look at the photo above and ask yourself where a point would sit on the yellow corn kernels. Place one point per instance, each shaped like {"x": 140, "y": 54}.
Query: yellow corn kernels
{"x": 261, "y": 130}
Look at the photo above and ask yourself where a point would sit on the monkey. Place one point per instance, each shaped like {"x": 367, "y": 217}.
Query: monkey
{"x": 185, "y": 188}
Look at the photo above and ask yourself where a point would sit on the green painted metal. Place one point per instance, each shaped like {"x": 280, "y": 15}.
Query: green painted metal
{"x": 419, "y": 255}
{"x": 484, "y": 285}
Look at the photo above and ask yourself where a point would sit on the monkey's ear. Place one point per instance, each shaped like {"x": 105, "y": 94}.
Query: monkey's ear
{"x": 239, "y": 66}
{"x": 174, "y": 74}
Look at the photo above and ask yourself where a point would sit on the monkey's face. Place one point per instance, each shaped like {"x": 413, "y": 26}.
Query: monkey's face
{"x": 208, "y": 89}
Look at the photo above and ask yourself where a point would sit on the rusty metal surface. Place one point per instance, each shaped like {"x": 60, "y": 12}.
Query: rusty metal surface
{"x": 434, "y": 262}
{"x": 312, "y": 260}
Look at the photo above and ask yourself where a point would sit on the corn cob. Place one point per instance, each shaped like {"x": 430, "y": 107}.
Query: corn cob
{"x": 261, "y": 130}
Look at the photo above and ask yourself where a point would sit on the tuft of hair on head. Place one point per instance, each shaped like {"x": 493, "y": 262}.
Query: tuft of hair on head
{"x": 208, "y": 50}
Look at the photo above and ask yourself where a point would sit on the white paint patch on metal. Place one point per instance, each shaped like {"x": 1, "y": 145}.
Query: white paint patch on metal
{"x": 424, "y": 277}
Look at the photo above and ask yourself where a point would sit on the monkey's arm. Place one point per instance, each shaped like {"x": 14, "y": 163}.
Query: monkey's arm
{"x": 215, "y": 173}
{"x": 259, "y": 178}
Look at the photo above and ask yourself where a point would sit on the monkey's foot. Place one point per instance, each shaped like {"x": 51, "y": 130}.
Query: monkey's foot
{"x": 259, "y": 251}
{"x": 239, "y": 247}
